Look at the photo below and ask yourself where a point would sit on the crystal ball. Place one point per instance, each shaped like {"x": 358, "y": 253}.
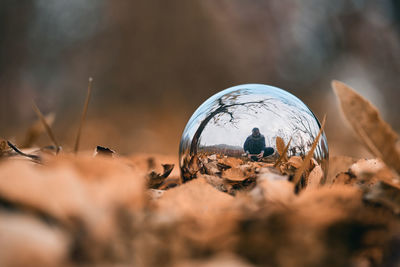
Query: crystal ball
{"x": 246, "y": 120}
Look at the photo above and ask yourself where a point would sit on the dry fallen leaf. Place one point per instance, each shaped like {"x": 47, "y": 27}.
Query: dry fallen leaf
{"x": 88, "y": 198}
{"x": 215, "y": 181}
{"x": 155, "y": 180}
{"x": 231, "y": 162}
{"x": 386, "y": 194}
{"x": 338, "y": 164}
{"x": 194, "y": 198}
{"x": 26, "y": 241}
{"x": 234, "y": 174}
{"x": 193, "y": 167}
{"x": 273, "y": 188}
{"x": 377, "y": 135}
{"x": 104, "y": 151}
{"x": 344, "y": 178}
{"x": 315, "y": 177}
{"x": 212, "y": 168}
{"x": 295, "y": 162}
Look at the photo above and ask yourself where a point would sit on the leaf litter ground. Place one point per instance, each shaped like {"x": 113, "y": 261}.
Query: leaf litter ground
{"x": 64, "y": 209}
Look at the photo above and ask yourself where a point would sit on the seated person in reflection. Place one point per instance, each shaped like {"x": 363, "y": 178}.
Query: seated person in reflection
{"x": 254, "y": 146}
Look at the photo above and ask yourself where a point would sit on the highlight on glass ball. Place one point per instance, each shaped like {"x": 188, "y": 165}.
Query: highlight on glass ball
{"x": 242, "y": 129}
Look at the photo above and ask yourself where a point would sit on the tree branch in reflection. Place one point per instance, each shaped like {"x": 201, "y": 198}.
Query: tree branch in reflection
{"x": 221, "y": 109}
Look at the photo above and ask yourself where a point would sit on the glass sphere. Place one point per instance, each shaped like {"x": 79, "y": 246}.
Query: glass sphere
{"x": 235, "y": 121}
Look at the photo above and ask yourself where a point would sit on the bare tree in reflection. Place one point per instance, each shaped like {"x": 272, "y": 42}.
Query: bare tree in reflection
{"x": 225, "y": 105}
{"x": 303, "y": 126}
{"x": 299, "y": 124}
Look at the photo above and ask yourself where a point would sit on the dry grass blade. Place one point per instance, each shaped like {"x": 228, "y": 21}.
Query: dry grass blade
{"x": 280, "y": 146}
{"x": 283, "y": 154}
{"x": 46, "y": 126}
{"x": 306, "y": 162}
{"x": 377, "y": 135}
{"x": 85, "y": 107}
{"x": 36, "y": 130}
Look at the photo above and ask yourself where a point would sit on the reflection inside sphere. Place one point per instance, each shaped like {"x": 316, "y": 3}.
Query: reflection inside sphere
{"x": 244, "y": 122}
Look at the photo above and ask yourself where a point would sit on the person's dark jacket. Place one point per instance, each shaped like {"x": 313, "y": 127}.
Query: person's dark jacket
{"x": 254, "y": 144}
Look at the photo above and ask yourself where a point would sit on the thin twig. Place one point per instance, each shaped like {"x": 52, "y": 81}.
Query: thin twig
{"x": 309, "y": 155}
{"x": 46, "y": 125}
{"x": 85, "y": 107}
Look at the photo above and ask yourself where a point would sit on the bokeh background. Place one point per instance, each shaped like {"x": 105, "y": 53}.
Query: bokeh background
{"x": 154, "y": 62}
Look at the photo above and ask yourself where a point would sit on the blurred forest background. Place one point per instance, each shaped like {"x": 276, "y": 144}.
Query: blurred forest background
{"x": 155, "y": 61}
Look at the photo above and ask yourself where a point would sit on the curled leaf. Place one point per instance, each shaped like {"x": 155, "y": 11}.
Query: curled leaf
{"x": 104, "y": 151}
{"x": 34, "y": 158}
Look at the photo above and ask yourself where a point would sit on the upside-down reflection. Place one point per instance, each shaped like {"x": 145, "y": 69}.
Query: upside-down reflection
{"x": 220, "y": 127}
